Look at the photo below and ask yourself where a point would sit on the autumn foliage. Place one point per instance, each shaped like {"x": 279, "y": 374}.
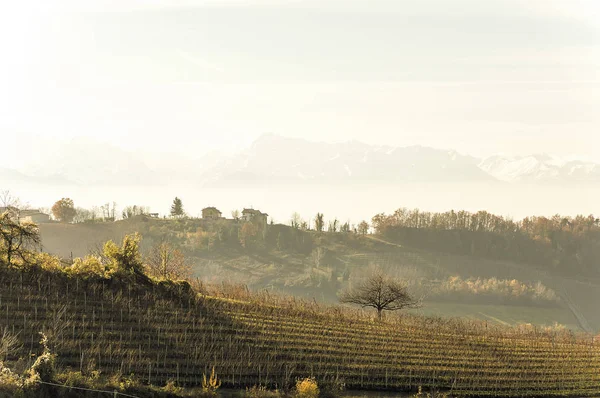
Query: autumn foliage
{"x": 64, "y": 210}
{"x": 567, "y": 244}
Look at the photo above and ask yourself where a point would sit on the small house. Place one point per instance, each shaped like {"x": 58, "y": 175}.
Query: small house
{"x": 211, "y": 213}
{"x": 254, "y": 215}
{"x": 34, "y": 216}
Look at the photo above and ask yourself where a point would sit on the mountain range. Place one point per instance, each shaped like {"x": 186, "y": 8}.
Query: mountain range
{"x": 277, "y": 159}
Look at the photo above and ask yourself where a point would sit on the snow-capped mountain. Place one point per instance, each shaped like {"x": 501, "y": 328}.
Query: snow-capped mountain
{"x": 540, "y": 168}
{"x": 277, "y": 159}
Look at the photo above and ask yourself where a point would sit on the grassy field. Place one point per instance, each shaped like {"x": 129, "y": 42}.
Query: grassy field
{"x": 162, "y": 332}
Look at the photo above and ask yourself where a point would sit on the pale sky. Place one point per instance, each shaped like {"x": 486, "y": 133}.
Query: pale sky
{"x": 480, "y": 77}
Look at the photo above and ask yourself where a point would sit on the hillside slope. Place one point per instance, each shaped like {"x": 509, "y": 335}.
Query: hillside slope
{"x": 311, "y": 265}
{"x": 162, "y": 332}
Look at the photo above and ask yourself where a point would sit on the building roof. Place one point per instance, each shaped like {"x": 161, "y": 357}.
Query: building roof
{"x": 254, "y": 211}
{"x": 211, "y": 208}
{"x": 31, "y": 212}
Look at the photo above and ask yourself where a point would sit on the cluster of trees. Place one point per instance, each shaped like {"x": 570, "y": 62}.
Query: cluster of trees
{"x": 482, "y": 221}
{"x": 133, "y": 211}
{"x": 64, "y": 210}
{"x": 568, "y": 244}
{"x": 451, "y": 220}
{"x": 493, "y": 290}
{"x": 332, "y": 226}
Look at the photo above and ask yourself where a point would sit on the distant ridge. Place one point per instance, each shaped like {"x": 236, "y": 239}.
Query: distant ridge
{"x": 276, "y": 159}
{"x": 540, "y": 168}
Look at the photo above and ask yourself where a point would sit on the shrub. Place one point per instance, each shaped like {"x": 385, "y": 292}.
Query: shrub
{"x": 128, "y": 382}
{"x": 48, "y": 262}
{"x": 172, "y": 388}
{"x": 43, "y": 369}
{"x": 307, "y": 388}
{"x": 10, "y": 382}
{"x": 210, "y": 386}
{"x": 90, "y": 266}
{"x": 261, "y": 392}
{"x": 73, "y": 379}
{"x": 127, "y": 257}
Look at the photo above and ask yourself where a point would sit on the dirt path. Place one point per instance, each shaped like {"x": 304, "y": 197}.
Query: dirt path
{"x": 382, "y": 241}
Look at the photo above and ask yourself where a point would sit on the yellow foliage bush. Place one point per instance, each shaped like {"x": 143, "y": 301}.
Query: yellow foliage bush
{"x": 307, "y": 388}
{"x": 90, "y": 266}
{"x": 48, "y": 262}
{"x": 210, "y": 386}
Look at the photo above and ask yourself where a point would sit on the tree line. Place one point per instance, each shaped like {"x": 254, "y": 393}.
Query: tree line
{"x": 567, "y": 244}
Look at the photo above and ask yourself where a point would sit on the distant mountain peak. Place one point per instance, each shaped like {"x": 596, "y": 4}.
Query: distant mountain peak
{"x": 273, "y": 158}
{"x": 540, "y": 168}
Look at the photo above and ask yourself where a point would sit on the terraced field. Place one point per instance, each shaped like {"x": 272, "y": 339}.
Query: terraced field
{"x": 160, "y": 334}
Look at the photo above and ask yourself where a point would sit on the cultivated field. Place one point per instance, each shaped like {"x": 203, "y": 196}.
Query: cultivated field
{"x": 162, "y": 332}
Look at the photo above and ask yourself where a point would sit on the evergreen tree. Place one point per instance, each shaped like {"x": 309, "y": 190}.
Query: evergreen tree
{"x": 177, "y": 208}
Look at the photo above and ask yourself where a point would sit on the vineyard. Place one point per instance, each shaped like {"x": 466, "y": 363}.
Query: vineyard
{"x": 164, "y": 332}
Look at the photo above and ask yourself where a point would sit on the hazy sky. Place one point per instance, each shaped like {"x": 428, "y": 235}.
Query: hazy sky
{"x": 481, "y": 77}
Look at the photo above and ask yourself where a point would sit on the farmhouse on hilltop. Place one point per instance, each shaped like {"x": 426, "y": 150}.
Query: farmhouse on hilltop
{"x": 34, "y": 216}
{"x": 254, "y": 215}
{"x": 211, "y": 213}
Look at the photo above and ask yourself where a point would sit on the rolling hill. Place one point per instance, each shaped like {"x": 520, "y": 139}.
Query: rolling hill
{"x": 160, "y": 332}
{"x": 311, "y": 265}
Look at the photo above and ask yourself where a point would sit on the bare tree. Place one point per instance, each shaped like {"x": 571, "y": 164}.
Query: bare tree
{"x": 16, "y": 238}
{"x": 295, "y": 220}
{"x": 85, "y": 215}
{"x": 363, "y": 227}
{"x": 108, "y": 213}
{"x": 166, "y": 262}
{"x": 345, "y": 227}
{"x": 380, "y": 292}
{"x": 235, "y": 214}
{"x": 7, "y": 200}
{"x": 135, "y": 210}
{"x": 9, "y": 343}
{"x": 333, "y": 225}
{"x": 319, "y": 222}
{"x": 11, "y": 204}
